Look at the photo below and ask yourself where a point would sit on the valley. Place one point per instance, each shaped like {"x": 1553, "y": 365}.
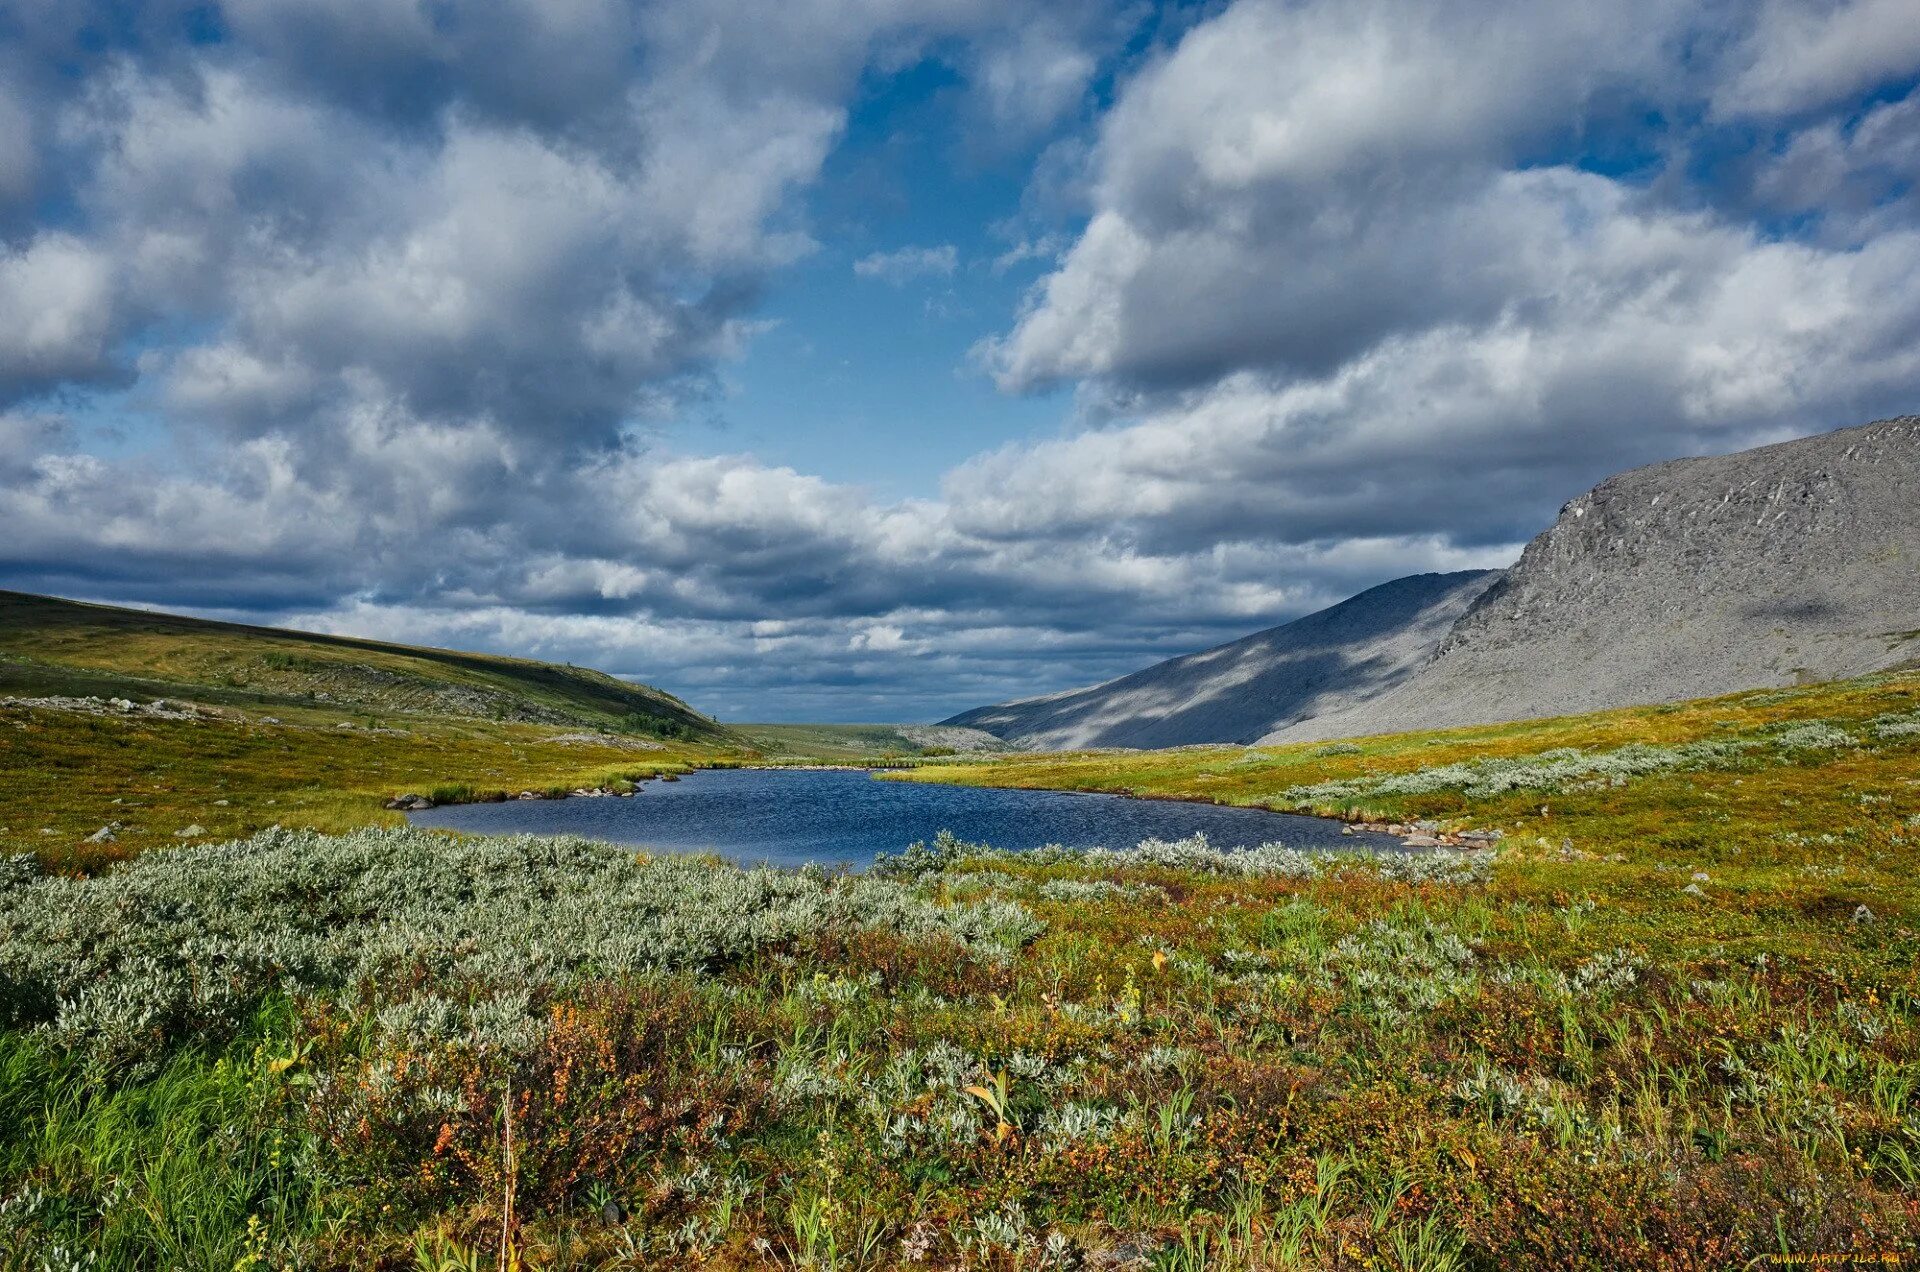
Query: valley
{"x": 1631, "y": 986}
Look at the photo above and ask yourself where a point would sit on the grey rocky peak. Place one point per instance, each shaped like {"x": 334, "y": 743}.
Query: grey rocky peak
{"x": 1786, "y": 564}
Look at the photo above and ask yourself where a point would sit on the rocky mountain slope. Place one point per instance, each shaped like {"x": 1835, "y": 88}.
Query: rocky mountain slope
{"x": 1338, "y": 657}
{"x": 1786, "y": 564}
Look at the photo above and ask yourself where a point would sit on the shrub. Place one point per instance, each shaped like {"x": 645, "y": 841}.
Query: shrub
{"x": 1814, "y": 735}
{"x": 186, "y": 942}
{"x": 1197, "y": 855}
{"x": 1551, "y": 771}
{"x": 17, "y": 870}
{"x": 1901, "y": 724}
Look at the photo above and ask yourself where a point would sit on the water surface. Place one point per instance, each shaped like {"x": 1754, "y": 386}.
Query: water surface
{"x": 789, "y": 817}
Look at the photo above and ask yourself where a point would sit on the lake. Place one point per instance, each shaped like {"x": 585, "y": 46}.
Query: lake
{"x": 789, "y": 817}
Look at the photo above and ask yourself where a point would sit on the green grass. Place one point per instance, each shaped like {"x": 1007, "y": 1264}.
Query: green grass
{"x": 49, "y": 645}
{"x": 70, "y": 773}
{"x": 294, "y": 730}
{"x": 195, "y": 1167}
{"x": 1673, "y": 1023}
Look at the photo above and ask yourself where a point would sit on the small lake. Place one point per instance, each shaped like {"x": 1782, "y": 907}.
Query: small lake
{"x": 789, "y": 817}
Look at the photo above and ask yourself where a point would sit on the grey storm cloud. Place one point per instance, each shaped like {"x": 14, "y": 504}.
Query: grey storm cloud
{"x": 402, "y": 285}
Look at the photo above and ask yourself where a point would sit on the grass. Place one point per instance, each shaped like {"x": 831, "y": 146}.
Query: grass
{"x": 197, "y": 1166}
{"x": 64, "y": 774}
{"x": 1670, "y": 1023}
{"x": 291, "y": 729}
{"x": 49, "y": 645}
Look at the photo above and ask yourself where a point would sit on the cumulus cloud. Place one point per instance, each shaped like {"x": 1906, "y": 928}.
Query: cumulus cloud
{"x": 1804, "y": 54}
{"x": 56, "y": 315}
{"x": 1350, "y": 291}
{"x": 1345, "y": 294}
{"x": 1851, "y": 178}
{"x": 905, "y": 264}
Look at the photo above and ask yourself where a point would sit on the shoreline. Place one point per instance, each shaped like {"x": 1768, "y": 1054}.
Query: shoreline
{"x": 1413, "y": 837}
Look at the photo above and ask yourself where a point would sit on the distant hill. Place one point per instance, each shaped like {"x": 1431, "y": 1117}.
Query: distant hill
{"x": 1238, "y": 692}
{"x": 54, "y": 646}
{"x": 832, "y": 742}
{"x": 1785, "y": 564}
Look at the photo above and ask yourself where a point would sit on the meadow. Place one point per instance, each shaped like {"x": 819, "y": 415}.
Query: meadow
{"x": 153, "y": 781}
{"x": 1668, "y": 1022}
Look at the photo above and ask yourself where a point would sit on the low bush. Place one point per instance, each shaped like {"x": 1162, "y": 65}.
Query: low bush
{"x": 186, "y": 943}
{"x": 1562, "y": 769}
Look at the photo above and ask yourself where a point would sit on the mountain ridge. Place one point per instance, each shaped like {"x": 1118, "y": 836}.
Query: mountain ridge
{"x": 1244, "y": 689}
{"x": 1781, "y": 564}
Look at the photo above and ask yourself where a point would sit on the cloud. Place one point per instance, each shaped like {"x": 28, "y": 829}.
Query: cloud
{"x": 1029, "y": 80}
{"x": 57, "y": 299}
{"x": 1804, "y": 54}
{"x": 1852, "y": 179}
{"x": 408, "y": 308}
{"x": 1294, "y": 183}
{"x": 1320, "y": 293}
{"x": 908, "y": 263}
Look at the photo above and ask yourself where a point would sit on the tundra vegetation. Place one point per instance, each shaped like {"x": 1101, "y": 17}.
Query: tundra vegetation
{"x": 160, "y": 728}
{"x": 1668, "y": 1023}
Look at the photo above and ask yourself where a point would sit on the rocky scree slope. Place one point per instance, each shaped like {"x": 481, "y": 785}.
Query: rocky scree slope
{"x": 1790, "y": 563}
{"x": 1244, "y": 690}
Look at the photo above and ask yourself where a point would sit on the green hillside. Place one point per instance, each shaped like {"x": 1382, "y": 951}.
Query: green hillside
{"x": 54, "y": 646}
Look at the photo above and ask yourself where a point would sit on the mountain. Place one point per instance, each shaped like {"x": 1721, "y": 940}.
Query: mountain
{"x": 50, "y": 646}
{"x": 1238, "y": 692}
{"x": 1786, "y": 564}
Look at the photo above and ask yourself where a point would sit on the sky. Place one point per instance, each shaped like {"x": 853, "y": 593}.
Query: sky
{"x": 869, "y": 360}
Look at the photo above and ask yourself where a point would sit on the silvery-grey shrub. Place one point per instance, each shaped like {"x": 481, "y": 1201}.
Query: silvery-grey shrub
{"x": 1814, "y": 735}
{"x": 1196, "y": 854}
{"x": 1550, "y": 771}
{"x": 180, "y": 943}
{"x": 17, "y": 870}
{"x": 1896, "y": 724}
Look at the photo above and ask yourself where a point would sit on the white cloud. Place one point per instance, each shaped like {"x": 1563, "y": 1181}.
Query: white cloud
{"x": 1341, "y": 304}
{"x": 1326, "y": 294}
{"x": 57, "y": 300}
{"x": 1033, "y": 78}
{"x": 1804, "y": 54}
{"x": 905, "y": 264}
